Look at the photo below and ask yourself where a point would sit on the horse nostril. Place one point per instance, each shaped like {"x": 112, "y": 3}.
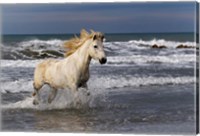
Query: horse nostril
{"x": 103, "y": 60}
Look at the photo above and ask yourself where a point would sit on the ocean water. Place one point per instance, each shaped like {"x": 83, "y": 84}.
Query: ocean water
{"x": 139, "y": 90}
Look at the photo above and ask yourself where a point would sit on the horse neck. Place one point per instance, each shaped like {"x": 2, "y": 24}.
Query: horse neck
{"x": 82, "y": 57}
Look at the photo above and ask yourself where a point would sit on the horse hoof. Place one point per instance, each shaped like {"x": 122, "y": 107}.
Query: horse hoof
{"x": 35, "y": 102}
{"x": 88, "y": 93}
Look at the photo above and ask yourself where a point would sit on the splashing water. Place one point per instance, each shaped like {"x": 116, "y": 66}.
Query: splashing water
{"x": 65, "y": 99}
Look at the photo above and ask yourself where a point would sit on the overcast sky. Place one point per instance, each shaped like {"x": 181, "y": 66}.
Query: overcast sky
{"x": 108, "y": 18}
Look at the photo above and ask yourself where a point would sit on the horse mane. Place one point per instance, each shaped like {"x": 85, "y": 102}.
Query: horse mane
{"x": 75, "y": 43}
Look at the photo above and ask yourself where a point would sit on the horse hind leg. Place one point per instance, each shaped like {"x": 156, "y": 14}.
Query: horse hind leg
{"x": 52, "y": 94}
{"x": 86, "y": 89}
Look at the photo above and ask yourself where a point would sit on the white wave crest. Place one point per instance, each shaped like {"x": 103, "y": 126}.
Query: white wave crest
{"x": 36, "y": 43}
{"x": 132, "y": 44}
{"x": 20, "y": 63}
{"x": 138, "y": 59}
{"x": 17, "y": 86}
{"x": 160, "y": 42}
{"x": 104, "y": 83}
{"x": 118, "y": 82}
{"x": 141, "y": 44}
{"x": 97, "y": 86}
{"x": 36, "y": 49}
{"x": 54, "y": 42}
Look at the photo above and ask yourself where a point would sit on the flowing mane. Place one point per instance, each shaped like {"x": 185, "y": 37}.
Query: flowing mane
{"x": 73, "y": 44}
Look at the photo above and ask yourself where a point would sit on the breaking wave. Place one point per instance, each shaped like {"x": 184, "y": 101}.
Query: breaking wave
{"x": 162, "y": 42}
{"x": 104, "y": 83}
{"x": 39, "y": 49}
{"x": 98, "y": 88}
{"x": 176, "y": 59}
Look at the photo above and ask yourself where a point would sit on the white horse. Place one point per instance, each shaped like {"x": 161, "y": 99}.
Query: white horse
{"x": 71, "y": 72}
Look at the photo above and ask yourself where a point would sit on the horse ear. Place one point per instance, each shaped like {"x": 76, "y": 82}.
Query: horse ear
{"x": 102, "y": 38}
{"x": 92, "y": 31}
{"x": 94, "y": 37}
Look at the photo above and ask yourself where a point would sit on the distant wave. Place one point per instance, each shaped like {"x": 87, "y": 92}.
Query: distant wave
{"x": 41, "y": 44}
{"x": 162, "y": 42}
{"x": 20, "y": 63}
{"x": 39, "y": 49}
{"x": 34, "y": 49}
{"x": 145, "y": 59}
{"x": 177, "y": 59}
{"x": 52, "y": 43}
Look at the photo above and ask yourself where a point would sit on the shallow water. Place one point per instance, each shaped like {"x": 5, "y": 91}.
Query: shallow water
{"x": 161, "y": 109}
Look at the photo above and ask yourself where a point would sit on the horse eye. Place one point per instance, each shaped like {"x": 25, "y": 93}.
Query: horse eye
{"x": 95, "y": 46}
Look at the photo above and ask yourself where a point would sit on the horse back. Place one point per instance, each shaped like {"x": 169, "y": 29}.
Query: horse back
{"x": 39, "y": 73}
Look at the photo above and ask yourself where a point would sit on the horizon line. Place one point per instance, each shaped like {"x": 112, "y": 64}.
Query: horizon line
{"x": 104, "y": 33}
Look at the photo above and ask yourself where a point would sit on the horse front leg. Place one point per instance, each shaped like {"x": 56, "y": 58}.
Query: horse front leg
{"x": 77, "y": 100}
{"x": 74, "y": 88}
{"x": 85, "y": 86}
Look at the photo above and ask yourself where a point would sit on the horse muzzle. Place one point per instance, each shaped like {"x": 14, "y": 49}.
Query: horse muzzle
{"x": 103, "y": 60}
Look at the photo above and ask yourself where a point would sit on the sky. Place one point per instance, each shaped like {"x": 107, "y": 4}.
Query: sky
{"x": 144, "y": 17}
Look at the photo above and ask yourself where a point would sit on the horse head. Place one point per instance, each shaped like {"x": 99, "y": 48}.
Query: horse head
{"x": 96, "y": 48}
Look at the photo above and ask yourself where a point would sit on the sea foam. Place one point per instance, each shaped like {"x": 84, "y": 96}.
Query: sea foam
{"x": 105, "y": 82}
{"x": 177, "y": 59}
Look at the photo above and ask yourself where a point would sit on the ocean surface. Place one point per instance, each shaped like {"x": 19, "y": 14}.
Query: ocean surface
{"x": 146, "y": 87}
